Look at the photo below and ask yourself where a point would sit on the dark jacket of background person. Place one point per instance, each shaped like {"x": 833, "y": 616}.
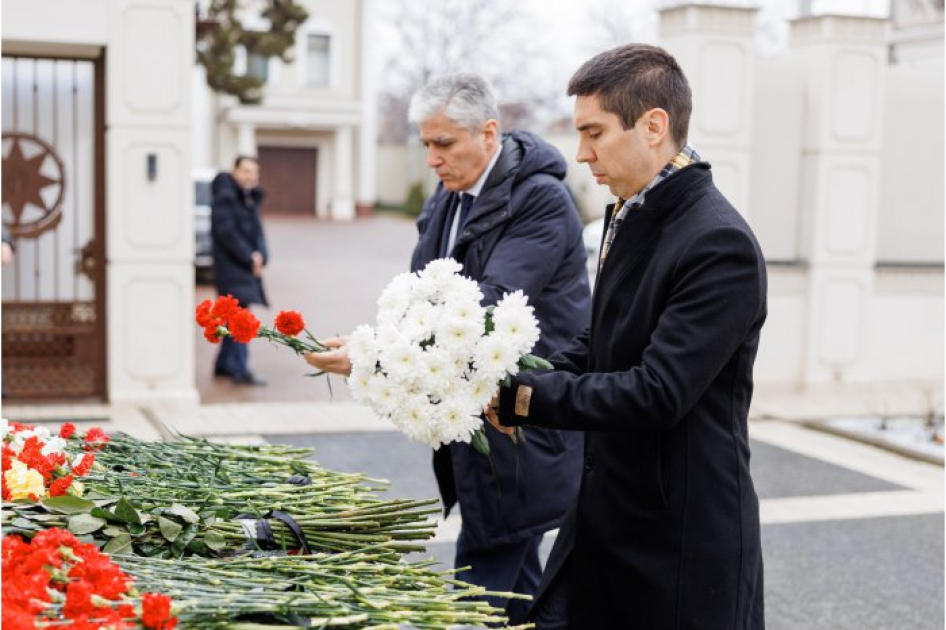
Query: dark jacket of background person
{"x": 665, "y": 533}
{"x": 523, "y": 232}
{"x": 237, "y": 232}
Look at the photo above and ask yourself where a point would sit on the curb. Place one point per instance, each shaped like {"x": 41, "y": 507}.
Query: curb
{"x": 820, "y": 425}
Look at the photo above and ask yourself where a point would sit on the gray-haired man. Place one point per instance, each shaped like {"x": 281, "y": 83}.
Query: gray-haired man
{"x": 503, "y": 211}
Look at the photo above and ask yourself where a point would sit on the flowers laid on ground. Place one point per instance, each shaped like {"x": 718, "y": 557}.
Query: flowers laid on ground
{"x": 436, "y": 356}
{"x": 216, "y": 536}
{"x": 54, "y": 580}
{"x": 38, "y": 464}
{"x": 224, "y": 317}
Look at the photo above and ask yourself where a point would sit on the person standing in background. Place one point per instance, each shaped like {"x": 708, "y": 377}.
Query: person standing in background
{"x": 240, "y": 254}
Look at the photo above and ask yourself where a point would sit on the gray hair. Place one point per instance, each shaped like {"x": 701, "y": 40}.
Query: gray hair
{"x": 466, "y": 99}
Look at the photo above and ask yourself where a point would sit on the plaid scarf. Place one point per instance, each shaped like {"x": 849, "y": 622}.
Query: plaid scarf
{"x": 685, "y": 157}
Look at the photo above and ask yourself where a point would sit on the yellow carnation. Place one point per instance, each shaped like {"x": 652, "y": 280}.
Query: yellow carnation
{"x": 22, "y": 481}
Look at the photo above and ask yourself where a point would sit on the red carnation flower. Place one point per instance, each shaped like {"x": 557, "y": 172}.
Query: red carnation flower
{"x": 243, "y": 325}
{"x": 78, "y": 599}
{"x": 210, "y": 334}
{"x": 203, "y": 313}
{"x": 224, "y": 308}
{"x": 156, "y": 612}
{"x": 66, "y": 430}
{"x": 96, "y": 437}
{"x": 60, "y": 486}
{"x": 289, "y": 323}
{"x": 84, "y": 466}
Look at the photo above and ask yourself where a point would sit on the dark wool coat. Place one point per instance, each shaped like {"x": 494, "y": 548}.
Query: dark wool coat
{"x": 237, "y": 232}
{"x": 523, "y": 232}
{"x": 665, "y": 530}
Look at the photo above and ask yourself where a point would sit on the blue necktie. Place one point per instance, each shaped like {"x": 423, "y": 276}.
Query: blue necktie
{"x": 466, "y": 202}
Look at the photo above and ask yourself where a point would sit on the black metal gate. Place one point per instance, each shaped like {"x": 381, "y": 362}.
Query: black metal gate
{"x": 53, "y": 206}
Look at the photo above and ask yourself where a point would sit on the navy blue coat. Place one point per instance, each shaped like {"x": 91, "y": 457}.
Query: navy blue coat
{"x": 237, "y": 232}
{"x": 523, "y": 232}
{"x": 665, "y": 530}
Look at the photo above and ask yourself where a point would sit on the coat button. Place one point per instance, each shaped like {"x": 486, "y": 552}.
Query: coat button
{"x": 589, "y": 462}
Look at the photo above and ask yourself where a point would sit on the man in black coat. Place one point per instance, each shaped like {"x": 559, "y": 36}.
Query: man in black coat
{"x": 239, "y": 253}
{"x": 502, "y": 210}
{"x": 665, "y": 530}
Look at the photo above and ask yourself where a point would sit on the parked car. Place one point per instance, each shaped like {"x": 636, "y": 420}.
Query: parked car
{"x": 203, "y": 257}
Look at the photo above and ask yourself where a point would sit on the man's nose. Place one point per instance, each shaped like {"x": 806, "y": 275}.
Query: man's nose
{"x": 434, "y": 159}
{"x": 584, "y": 154}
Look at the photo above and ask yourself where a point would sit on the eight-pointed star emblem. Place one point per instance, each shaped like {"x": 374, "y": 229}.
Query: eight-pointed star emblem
{"x": 30, "y": 166}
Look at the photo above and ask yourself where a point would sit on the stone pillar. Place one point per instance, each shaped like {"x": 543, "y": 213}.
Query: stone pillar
{"x": 342, "y": 204}
{"x": 150, "y": 213}
{"x": 844, "y": 60}
{"x": 714, "y": 45}
{"x": 246, "y": 139}
{"x": 368, "y": 127}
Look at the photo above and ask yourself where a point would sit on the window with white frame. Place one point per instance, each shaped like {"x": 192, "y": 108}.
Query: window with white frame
{"x": 318, "y": 60}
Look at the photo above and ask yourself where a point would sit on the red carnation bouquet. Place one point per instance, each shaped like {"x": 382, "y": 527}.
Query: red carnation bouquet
{"x": 226, "y": 318}
{"x": 38, "y": 464}
{"x": 54, "y": 580}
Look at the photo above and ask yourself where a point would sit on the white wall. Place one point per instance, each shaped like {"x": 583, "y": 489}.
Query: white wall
{"x": 149, "y": 48}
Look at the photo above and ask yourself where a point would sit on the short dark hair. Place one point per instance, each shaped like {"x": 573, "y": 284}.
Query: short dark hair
{"x": 240, "y": 159}
{"x": 631, "y": 79}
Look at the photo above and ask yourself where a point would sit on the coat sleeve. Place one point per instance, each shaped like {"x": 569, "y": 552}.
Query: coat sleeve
{"x": 225, "y": 233}
{"x": 535, "y": 241}
{"x": 717, "y": 298}
{"x": 574, "y": 357}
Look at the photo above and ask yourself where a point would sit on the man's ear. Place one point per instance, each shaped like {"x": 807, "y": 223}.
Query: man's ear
{"x": 657, "y": 126}
{"x": 491, "y": 131}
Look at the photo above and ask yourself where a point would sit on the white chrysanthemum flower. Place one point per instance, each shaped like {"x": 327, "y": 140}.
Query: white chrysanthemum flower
{"x": 53, "y": 445}
{"x": 5, "y": 428}
{"x": 396, "y": 298}
{"x": 441, "y": 270}
{"x": 436, "y": 370}
{"x": 402, "y": 361}
{"x": 467, "y": 311}
{"x": 456, "y": 422}
{"x": 387, "y": 335}
{"x": 419, "y": 321}
{"x": 359, "y": 382}
{"x": 417, "y": 419}
{"x": 383, "y": 393}
{"x": 458, "y": 338}
{"x": 362, "y": 348}
{"x": 494, "y": 358}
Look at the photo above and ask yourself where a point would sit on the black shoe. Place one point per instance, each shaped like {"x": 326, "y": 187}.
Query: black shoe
{"x": 221, "y": 373}
{"x": 248, "y": 379}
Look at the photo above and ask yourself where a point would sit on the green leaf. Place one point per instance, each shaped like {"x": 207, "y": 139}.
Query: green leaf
{"x": 126, "y": 511}
{"x": 215, "y": 540}
{"x": 111, "y": 531}
{"x": 85, "y": 524}
{"x": 136, "y": 529}
{"x": 187, "y": 535}
{"x": 184, "y": 512}
{"x": 22, "y": 523}
{"x": 119, "y": 545}
{"x": 480, "y": 443}
{"x": 67, "y": 504}
{"x": 169, "y": 529}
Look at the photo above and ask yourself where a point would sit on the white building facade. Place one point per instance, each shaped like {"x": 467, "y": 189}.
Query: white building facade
{"x": 314, "y": 131}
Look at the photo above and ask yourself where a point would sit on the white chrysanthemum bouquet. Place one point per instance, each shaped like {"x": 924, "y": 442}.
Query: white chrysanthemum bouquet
{"x": 436, "y": 356}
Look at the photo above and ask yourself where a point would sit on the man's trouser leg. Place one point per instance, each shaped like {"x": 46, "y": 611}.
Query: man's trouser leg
{"x": 513, "y": 567}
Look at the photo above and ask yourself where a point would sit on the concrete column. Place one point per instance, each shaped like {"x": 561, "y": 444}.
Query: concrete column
{"x": 342, "y": 204}
{"x": 246, "y": 139}
{"x": 844, "y": 61}
{"x": 714, "y": 45}
{"x": 368, "y": 129}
